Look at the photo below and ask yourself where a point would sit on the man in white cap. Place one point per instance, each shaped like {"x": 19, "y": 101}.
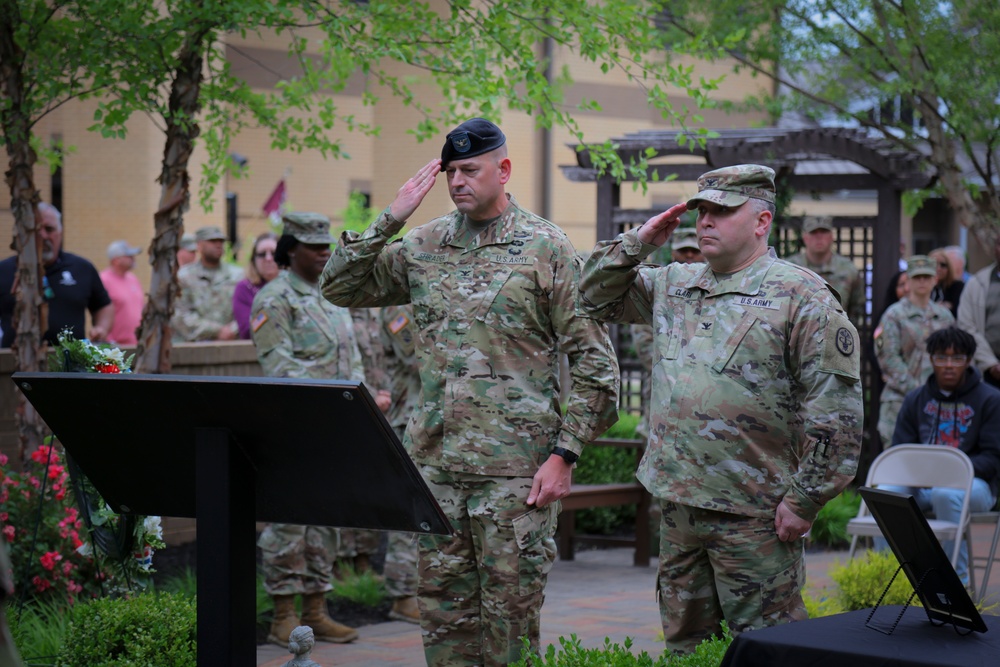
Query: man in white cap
{"x": 125, "y": 291}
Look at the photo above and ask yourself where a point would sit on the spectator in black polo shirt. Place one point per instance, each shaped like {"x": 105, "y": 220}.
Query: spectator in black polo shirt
{"x": 71, "y": 287}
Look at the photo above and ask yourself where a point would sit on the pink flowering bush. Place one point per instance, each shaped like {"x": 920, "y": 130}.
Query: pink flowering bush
{"x": 54, "y": 568}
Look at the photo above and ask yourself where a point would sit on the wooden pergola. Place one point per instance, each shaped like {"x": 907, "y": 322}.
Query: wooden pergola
{"x": 810, "y": 160}
{"x": 814, "y": 160}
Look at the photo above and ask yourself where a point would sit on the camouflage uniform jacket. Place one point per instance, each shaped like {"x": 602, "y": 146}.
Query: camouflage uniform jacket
{"x": 399, "y": 338}
{"x": 299, "y": 334}
{"x": 841, "y": 274}
{"x": 491, "y": 321}
{"x": 367, "y": 331}
{"x": 206, "y": 301}
{"x": 900, "y": 345}
{"x": 756, "y": 382}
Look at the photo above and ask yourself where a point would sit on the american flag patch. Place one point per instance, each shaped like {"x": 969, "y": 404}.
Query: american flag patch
{"x": 258, "y": 321}
{"x": 399, "y": 323}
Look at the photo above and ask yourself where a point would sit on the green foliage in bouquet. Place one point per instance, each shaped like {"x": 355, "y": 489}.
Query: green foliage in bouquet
{"x": 70, "y": 355}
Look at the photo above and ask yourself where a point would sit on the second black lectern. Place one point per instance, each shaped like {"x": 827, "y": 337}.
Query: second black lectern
{"x": 230, "y": 452}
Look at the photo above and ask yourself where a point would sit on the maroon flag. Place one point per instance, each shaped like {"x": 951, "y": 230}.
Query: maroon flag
{"x": 276, "y": 202}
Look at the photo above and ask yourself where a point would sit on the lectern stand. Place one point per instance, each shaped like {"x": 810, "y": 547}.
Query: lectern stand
{"x": 229, "y": 452}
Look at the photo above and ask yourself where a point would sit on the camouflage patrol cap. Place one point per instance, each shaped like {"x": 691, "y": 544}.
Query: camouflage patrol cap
{"x": 307, "y": 227}
{"x": 473, "y": 137}
{"x": 189, "y": 242}
{"x": 733, "y": 186}
{"x": 813, "y": 222}
{"x": 921, "y": 265}
{"x": 684, "y": 237}
{"x": 209, "y": 233}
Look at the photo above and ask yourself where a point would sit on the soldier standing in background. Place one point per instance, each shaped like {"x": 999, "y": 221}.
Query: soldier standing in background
{"x": 399, "y": 338}
{"x": 298, "y": 334}
{"x": 356, "y": 547}
{"x": 493, "y": 288}
{"x": 838, "y": 271}
{"x": 900, "y": 341}
{"x": 204, "y": 310}
{"x": 187, "y": 250}
{"x": 756, "y": 405}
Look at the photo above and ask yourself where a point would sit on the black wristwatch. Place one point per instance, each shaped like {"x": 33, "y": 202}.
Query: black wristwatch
{"x": 568, "y": 456}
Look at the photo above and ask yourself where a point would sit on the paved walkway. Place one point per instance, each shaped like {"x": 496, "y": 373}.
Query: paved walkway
{"x": 600, "y": 594}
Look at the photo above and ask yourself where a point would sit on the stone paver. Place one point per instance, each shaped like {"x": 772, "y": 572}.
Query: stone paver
{"x": 600, "y": 594}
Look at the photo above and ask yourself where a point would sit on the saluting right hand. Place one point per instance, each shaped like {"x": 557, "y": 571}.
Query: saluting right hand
{"x": 409, "y": 196}
{"x": 658, "y": 229}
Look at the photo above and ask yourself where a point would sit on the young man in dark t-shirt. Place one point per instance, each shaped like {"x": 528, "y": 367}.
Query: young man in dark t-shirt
{"x": 72, "y": 286}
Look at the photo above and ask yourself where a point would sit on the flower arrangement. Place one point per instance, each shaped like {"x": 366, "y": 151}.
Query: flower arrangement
{"x": 82, "y": 356}
{"x": 118, "y": 548}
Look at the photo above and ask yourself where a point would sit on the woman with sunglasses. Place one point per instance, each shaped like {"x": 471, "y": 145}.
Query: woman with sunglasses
{"x": 260, "y": 270}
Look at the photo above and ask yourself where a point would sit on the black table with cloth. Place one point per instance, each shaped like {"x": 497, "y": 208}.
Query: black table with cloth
{"x": 844, "y": 640}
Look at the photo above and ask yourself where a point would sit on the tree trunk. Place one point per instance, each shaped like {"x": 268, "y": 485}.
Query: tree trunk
{"x": 153, "y": 353}
{"x": 943, "y": 156}
{"x": 30, "y": 311}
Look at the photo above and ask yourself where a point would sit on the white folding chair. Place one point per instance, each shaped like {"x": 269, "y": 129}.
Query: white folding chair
{"x": 986, "y": 562}
{"x": 922, "y": 466}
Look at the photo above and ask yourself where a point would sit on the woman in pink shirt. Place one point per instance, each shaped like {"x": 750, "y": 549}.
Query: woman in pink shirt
{"x": 260, "y": 270}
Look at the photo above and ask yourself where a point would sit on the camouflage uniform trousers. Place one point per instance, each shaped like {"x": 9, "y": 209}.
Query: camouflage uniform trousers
{"x": 717, "y": 566}
{"x": 888, "y": 410}
{"x": 297, "y": 559}
{"x": 481, "y": 589}
{"x": 401, "y": 565}
{"x": 353, "y": 542}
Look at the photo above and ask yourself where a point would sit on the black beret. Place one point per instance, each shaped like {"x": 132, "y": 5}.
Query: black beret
{"x": 473, "y": 137}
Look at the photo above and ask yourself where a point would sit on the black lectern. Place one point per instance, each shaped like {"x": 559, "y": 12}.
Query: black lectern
{"x": 232, "y": 451}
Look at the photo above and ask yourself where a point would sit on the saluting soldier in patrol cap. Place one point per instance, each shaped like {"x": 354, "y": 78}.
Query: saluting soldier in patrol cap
{"x": 493, "y": 288}
{"x": 756, "y": 412}
{"x": 299, "y": 334}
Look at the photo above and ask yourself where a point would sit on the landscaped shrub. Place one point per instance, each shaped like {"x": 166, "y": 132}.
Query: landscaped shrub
{"x": 148, "y": 629}
{"x": 708, "y": 654}
{"x": 607, "y": 465}
{"x": 43, "y": 530}
{"x": 862, "y": 580}
{"x": 860, "y": 583}
{"x": 830, "y": 526}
